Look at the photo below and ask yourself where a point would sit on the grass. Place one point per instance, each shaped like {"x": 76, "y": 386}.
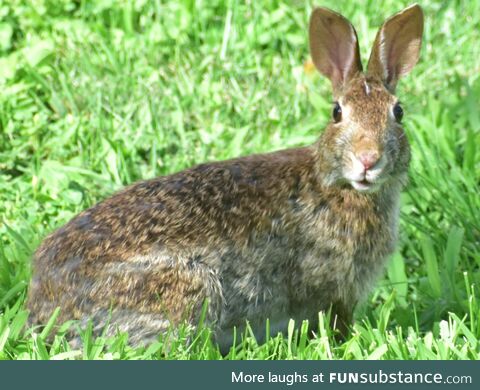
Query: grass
{"x": 97, "y": 94}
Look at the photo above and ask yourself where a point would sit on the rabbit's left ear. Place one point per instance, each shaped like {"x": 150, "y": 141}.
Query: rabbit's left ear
{"x": 397, "y": 46}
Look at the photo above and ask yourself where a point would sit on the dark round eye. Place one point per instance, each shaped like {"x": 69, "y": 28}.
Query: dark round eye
{"x": 337, "y": 112}
{"x": 398, "y": 112}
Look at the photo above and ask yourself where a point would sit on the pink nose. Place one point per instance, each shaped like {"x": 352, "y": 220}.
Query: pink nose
{"x": 369, "y": 158}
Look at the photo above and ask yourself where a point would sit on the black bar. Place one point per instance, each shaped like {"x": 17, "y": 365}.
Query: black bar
{"x": 237, "y": 374}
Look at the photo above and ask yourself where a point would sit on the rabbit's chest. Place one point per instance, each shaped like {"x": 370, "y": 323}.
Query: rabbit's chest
{"x": 285, "y": 274}
{"x": 344, "y": 254}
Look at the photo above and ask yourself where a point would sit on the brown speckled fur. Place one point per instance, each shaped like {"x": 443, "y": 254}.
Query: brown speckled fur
{"x": 279, "y": 236}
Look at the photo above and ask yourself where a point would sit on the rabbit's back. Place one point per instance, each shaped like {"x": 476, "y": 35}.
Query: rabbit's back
{"x": 155, "y": 251}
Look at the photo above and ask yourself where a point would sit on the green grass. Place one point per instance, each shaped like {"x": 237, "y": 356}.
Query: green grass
{"x": 97, "y": 94}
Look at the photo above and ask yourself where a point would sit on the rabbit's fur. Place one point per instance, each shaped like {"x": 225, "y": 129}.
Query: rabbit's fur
{"x": 272, "y": 236}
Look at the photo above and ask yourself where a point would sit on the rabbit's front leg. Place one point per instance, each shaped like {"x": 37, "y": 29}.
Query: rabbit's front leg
{"x": 342, "y": 318}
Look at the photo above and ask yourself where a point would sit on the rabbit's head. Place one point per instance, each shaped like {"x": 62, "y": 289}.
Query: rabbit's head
{"x": 364, "y": 146}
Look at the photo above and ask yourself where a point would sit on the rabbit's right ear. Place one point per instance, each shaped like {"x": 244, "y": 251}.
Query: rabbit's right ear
{"x": 334, "y": 47}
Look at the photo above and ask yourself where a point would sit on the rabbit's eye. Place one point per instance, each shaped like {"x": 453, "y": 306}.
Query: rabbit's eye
{"x": 398, "y": 112}
{"x": 337, "y": 112}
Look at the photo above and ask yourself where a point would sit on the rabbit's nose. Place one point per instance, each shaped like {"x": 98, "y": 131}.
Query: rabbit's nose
{"x": 369, "y": 158}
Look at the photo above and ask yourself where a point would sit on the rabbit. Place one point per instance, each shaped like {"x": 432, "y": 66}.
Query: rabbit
{"x": 276, "y": 236}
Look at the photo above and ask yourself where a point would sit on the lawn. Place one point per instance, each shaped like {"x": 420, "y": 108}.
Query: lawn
{"x": 95, "y": 95}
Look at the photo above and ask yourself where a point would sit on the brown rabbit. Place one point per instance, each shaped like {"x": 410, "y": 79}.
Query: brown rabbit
{"x": 275, "y": 236}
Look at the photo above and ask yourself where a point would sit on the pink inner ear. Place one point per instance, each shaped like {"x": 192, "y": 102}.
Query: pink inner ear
{"x": 399, "y": 47}
{"x": 410, "y": 50}
{"x": 399, "y": 53}
{"x": 341, "y": 51}
{"x": 334, "y": 46}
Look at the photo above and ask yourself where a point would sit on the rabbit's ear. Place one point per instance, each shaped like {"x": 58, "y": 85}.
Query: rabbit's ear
{"x": 397, "y": 46}
{"x": 334, "y": 47}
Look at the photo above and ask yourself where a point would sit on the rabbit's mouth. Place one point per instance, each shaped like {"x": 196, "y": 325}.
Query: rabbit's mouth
{"x": 365, "y": 178}
{"x": 364, "y": 185}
